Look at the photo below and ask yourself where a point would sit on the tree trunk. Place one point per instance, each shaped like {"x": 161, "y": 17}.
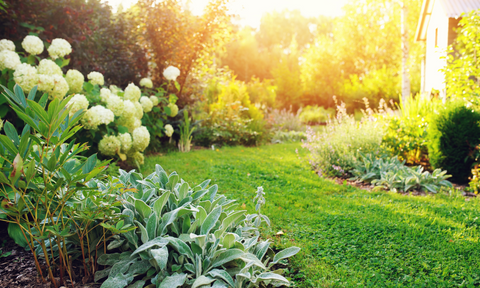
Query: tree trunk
{"x": 405, "y": 74}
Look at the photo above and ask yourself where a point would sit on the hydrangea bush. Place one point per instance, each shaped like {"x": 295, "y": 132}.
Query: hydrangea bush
{"x": 113, "y": 117}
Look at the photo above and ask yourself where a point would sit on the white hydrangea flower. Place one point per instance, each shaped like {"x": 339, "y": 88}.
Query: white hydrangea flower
{"x": 96, "y": 116}
{"x": 48, "y": 67}
{"x": 59, "y": 48}
{"x": 45, "y": 83}
{"x": 141, "y": 138}
{"x": 77, "y": 103}
{"x": 96, "y": 78}
{"x": 32, "y": 44}
{"x": 105, "y": 94}
{"x": 168, "y": 130}
{"x": 134, "y": 124}
{"x": 9, "y": 59}
{"x": 6, "y": 44}
{"x": 126, "y": 141}
{"x": 173, "y": 109}
{"x": 145, "y": 82}
{"x": 171, "y": 73}
{"x": 130, "y": 123}
{"x": 128, "y": 109}
{"x": 154, "y": 100}
{"x": 107, "y": 116}
{"x": 25, "y": 76}
{"x": 115, "y": 104}
{"x": 75, "y": 80}
{"x": 115, "y": 90}
{"x": 109, "y": 145}
{"x": 135, "y": 157}
{"x": 60, "y": 88}
{"x": 138, "y": 110}
{"x": 146, "y": 103}
{"x": 132, "y": 93}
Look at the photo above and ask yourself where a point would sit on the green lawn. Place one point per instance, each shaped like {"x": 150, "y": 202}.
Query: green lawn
{"x": 349, "y": 237}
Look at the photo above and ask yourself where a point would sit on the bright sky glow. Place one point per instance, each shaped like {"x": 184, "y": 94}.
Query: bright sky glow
{"x": 251, "y": 11}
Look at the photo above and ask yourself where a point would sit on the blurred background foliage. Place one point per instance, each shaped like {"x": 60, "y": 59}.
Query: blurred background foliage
{"x": 288, "y": 61}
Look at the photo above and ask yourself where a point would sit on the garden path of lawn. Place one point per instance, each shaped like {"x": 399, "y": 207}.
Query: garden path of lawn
{"x": 349, "y": 237}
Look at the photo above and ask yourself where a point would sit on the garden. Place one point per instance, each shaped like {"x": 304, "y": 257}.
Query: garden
{"x": 149, "y": 146}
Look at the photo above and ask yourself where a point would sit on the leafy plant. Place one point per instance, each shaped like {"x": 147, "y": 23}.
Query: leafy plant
{"x": 462, "y": 70}
{"x": 406, "y": 134}
{"x": 452, "y": 138}
{"x": 45, "y": 187}
{"x": 185, "y": 133}
{"x": 338, "y": 148}
{"x": 187, "y": 237}
{"x": 392, "y": 174}
{"x": 288, "y": 136}
{"x": 316, "y": 114}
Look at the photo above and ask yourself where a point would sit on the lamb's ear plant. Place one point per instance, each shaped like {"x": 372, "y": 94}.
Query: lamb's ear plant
{"x": 187, "y": 236}
{"x": 45, "y": 187}
{"x": 394, "y": 175}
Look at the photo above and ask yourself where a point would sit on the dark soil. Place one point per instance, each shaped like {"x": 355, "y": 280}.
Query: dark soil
{"x": 17, "y": 267}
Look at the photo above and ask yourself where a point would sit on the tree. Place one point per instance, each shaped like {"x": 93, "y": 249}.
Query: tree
{"x": 174, "y": 36}
{"x": 366, "y": 42}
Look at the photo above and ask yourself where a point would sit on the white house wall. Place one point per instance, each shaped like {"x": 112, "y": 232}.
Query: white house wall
{"x": 434, "y": 78}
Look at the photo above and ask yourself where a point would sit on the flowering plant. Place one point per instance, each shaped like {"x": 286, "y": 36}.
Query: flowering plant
{"x": 112, "y": 118}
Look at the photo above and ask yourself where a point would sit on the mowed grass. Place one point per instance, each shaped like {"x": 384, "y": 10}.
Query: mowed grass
{"x": 349, "y": 237}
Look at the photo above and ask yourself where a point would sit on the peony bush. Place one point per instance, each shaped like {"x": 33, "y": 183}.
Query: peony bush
{"x": 112, "y": 118}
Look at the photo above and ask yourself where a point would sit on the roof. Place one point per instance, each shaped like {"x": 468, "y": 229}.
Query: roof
{"x": 452, "y": 9}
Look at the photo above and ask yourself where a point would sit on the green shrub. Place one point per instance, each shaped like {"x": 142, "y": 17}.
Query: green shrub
{"x": 188, "y": 236}
{"x": 230, "y": 126}
{"x": 230, "y": 116}
{"x": 406, "y": 135}
{"x": 316, "y": 114}
{"x": 288, "y": 136}
{"x": 452, "y": 134}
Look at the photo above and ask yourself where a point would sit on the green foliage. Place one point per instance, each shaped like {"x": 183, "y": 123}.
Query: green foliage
{"x": 393, "y": 175}
{"x": 46, "y": 190}
{"x": 406, "y": 134}
{"x": 349, "y": 237}
{"x": 316, "y": 114}
{"x": 407, "y": 138}
{"x": 185, "y": 133}
{"x": 179, "y": 38}
{"x": 337, "y": 150}
{"x": 463, "y": 69}
{"x": 187, "y": 236}
{"x": 262, "y": 92}
{"x": 288, "y": 136}
{"x": 256, "y": 53}
{"x": 231, "y": 118}
{"x": 452, "y": 138}
{"x": 375, "y": 85}
{"x": 101, "y": 41}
